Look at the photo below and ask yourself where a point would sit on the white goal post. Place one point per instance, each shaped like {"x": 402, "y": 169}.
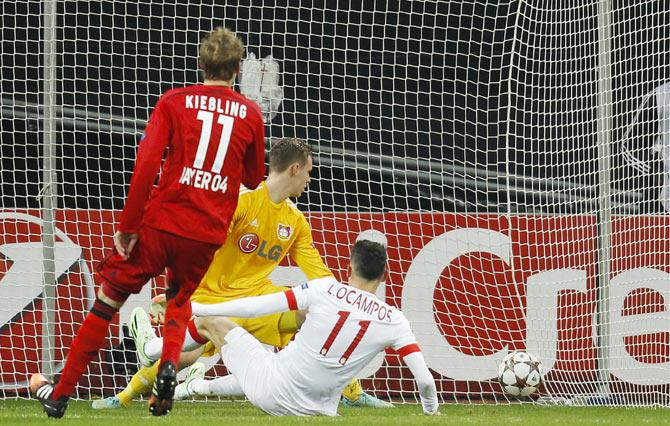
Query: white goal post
{"x": 515, "y": 153}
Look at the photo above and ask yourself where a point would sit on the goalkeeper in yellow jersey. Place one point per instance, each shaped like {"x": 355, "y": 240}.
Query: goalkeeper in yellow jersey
{"x": 265, "y": 228}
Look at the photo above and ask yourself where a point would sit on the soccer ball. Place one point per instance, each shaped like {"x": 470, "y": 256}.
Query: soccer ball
{"x": 520, "y": 373}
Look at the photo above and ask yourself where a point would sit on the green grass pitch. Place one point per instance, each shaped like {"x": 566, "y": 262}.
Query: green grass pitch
{"x": 22, "y": 412}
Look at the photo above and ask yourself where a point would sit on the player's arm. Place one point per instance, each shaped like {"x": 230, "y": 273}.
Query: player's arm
{"x": 243, "y": 204}
{"x": 251, "y": 307}
{"x": 424, "y": 381}
{"x": 405, "y": 345}
{"x": 306, "y": 256}
{"x": 149, "y": 156}
{"x": 254, "y": 158}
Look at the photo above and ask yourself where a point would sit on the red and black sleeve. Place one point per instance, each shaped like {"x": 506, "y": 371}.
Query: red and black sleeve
{"x": 149, "y": 156}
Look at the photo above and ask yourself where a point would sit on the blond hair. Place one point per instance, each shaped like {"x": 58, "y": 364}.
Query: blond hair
{"x": 287, "y": 151}
{"x": 220, "y": 54}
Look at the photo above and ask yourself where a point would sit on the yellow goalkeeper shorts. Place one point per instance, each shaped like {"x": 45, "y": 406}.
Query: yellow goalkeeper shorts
{"x": 265, "y": 329}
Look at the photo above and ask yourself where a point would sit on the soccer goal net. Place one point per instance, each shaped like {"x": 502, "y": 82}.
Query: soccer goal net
{"x": 516, "y": 154}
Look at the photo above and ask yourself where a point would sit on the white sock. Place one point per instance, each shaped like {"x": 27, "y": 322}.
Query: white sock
{"x": 200, "y": 387}
{"x": 222, "y": 386}
{"x": 154, "y": 347}
{"x": 189, "y": 343}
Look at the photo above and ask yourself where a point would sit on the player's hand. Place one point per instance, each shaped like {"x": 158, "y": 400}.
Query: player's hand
{"x": 125, "y": 243}
{"x": 157, "y": 311}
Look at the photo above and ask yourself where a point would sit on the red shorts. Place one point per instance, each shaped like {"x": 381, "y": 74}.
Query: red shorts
{"x": 186, "y": 262}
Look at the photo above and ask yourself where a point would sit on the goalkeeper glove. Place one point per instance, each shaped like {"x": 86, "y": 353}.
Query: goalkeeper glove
{"x": 157, "y": 311}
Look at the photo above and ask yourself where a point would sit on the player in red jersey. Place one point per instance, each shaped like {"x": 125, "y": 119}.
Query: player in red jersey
{"x": 212, "y": 139}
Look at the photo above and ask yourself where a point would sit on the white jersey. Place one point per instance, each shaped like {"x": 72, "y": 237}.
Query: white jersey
{"x": 345, "y": 328}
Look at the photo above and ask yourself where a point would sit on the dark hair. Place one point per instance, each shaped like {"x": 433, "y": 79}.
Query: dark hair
{"x": 287, "y": 151}
{"x": 368, "y": 259}
{"x": 220, "y": 54}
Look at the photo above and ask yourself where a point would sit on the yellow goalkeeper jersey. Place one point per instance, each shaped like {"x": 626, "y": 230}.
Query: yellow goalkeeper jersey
{"x": 260, "y": 235}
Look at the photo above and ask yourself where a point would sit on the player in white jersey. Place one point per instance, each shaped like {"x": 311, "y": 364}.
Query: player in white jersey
{"x": 346, "y": 326}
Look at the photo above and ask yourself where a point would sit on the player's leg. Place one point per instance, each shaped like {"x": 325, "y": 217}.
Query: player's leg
{"x": 254, "y": 367}
{"x": 139, "y": 384}
{"x": 177, "y": 313}
{"x": 142, "y": 382}
{"x": 353, "y": 395}
{"x": 90, "y": 338}
{"x": 272, "y": 330}
{"x": 214, "y": 329}
{"x": 129, "y": 276}
{"x": 149, "y": 346}
{"x": 190, "y": 262}
{"x": 263, "y": 330}
{"x": 149, "y": 349}
{"x": 196, "y": 385}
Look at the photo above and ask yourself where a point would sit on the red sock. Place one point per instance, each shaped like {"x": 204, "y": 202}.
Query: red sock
{"x": 90, "y": 338}
{"x": 174, "y": 329}
{"x": 193, "y": 332}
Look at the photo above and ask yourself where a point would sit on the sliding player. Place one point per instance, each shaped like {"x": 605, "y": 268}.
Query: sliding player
{"x": 346, "y": 327}
{"x": 265, "y": 227}
{"x": 209, "y": 139}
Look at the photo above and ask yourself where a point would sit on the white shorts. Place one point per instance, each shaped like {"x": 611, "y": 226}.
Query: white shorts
{"x": 254, "y": 367}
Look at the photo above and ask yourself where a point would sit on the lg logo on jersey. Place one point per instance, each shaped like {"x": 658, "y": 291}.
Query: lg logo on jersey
{"x": 248, "y": 243}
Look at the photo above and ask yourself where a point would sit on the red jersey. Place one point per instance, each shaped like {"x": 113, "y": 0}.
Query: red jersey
{"x": 215, "y": 140}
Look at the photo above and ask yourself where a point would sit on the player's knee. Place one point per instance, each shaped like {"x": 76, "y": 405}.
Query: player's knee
{"x": 214, "y": 326}
{"x": 187, "y": 359}
{"x": 112, "y": 298}
{"x": 225, "y": 326}
{"x": 288, "y": 322}
{"x": 300, "y": 317}
{"x": 208, "y": 326}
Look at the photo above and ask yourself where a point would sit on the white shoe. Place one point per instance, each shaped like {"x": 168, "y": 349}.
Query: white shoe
{"x": 141, "y": 332}
{"x": 109, "y": 403}
{"x": 366, "y": 400}
{"x": 184, "y": 390}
